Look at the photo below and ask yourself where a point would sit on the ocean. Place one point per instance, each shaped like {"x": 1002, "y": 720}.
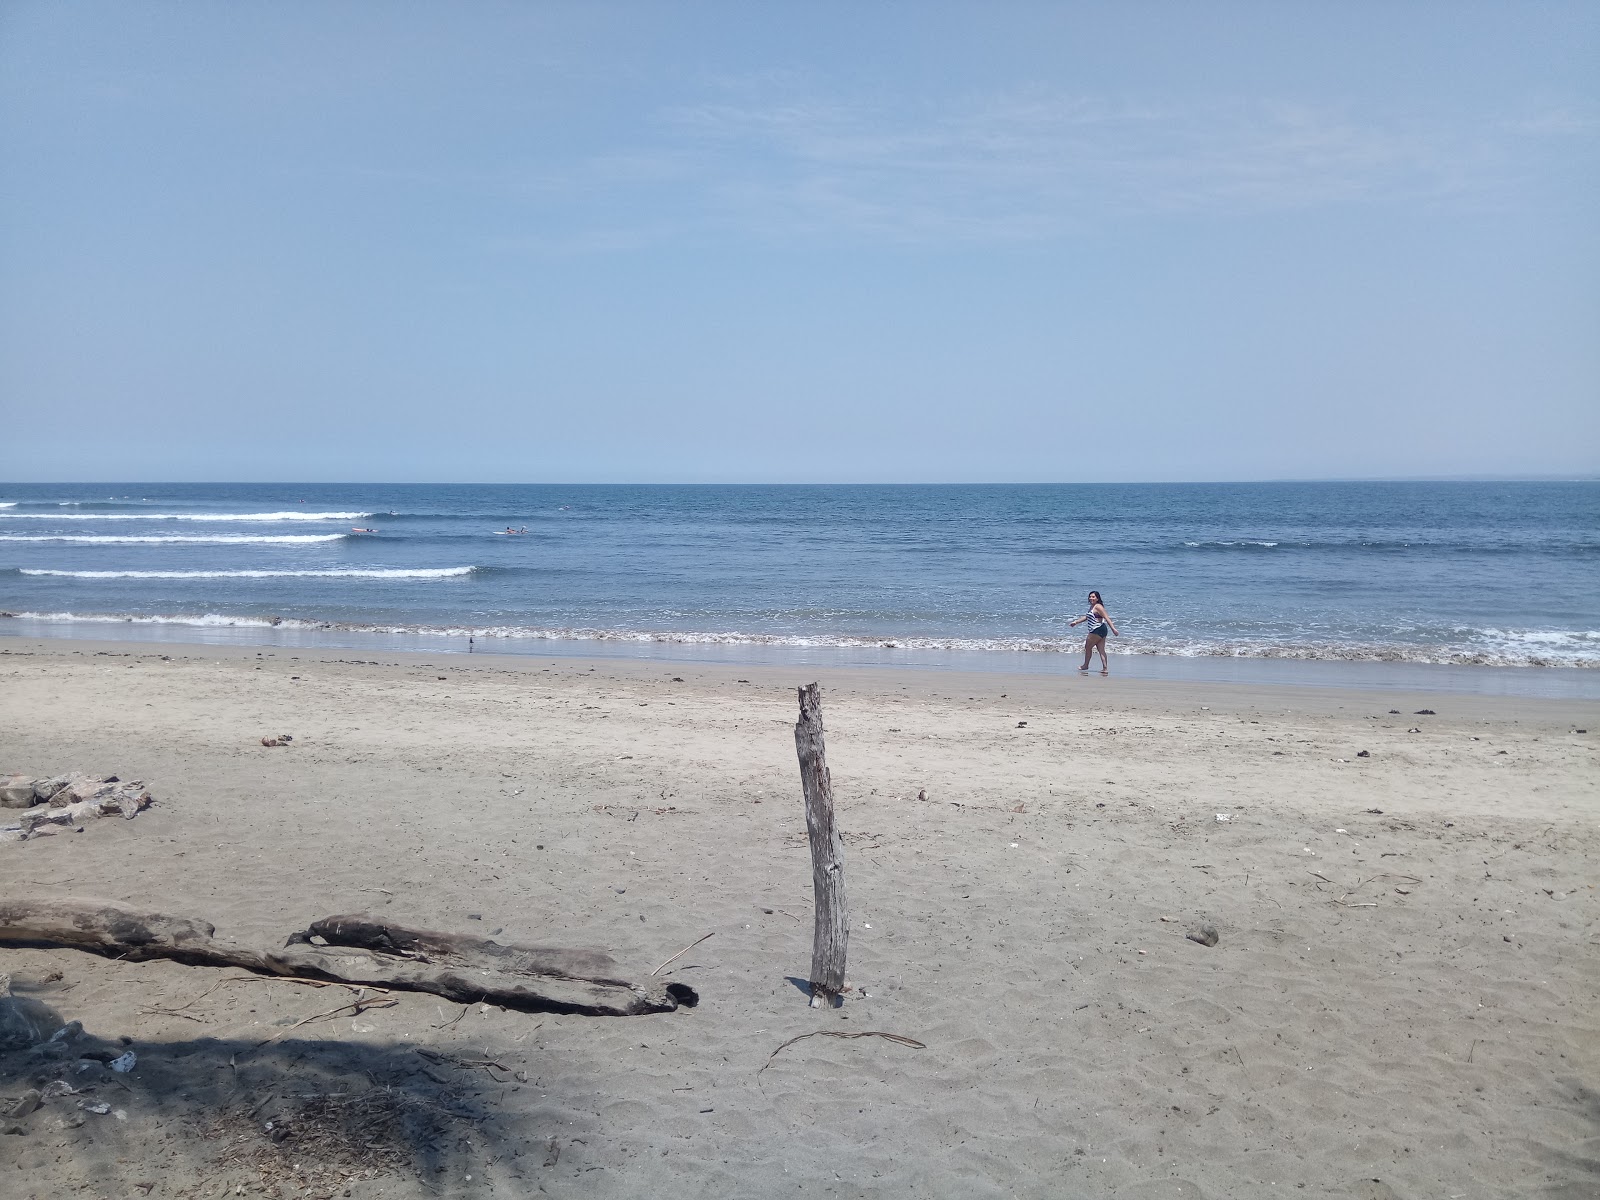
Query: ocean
{"x": 1480, "y": 578}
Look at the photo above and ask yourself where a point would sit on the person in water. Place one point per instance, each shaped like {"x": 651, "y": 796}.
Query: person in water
{"x": 1099, "y": 622}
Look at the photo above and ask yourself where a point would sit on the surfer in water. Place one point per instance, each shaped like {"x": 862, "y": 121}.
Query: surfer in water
{"x": 1099, "y": 623}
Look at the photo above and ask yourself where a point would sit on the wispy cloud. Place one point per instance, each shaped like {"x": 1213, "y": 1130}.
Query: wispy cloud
{"x": 1038, "y": 164}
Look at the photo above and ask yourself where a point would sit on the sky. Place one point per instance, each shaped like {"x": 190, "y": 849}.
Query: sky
{"x": 820, "y": 242}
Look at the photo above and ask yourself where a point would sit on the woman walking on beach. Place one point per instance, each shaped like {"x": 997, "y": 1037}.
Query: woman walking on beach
{"x": 1099, "y": 622}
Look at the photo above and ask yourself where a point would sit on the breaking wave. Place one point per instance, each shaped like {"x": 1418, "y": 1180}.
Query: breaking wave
{"x": 347, "y": 573}
{"x": 206, "y": 539}
{"x": 293, "y": 515}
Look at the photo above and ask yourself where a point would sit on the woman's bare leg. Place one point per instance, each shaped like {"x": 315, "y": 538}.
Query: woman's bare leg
{"x": 1090, "y": 645}
{"x": 1105, "y": 668}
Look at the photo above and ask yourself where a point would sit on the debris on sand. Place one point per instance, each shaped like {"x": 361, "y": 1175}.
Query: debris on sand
{"x": 70, "y": 801}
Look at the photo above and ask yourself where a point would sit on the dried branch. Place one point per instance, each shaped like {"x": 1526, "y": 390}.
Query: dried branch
{"x": 892, "y": 1037}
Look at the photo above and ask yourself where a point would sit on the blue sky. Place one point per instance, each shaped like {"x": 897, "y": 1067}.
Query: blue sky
{"x": 798, "y": 242}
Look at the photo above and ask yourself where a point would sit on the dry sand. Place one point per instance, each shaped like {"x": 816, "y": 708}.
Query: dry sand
{"x": 1401, "y": 1002}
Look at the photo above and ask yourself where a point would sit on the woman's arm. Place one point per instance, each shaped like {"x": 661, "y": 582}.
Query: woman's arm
{"x": 1100, "y": 611}
{"x": 1079, "y": 621}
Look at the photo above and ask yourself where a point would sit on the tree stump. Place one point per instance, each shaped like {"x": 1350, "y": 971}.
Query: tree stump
{"x": 832, "y": 933}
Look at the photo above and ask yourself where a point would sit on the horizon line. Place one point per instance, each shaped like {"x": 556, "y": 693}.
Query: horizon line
{"x": 1464, "y": 478}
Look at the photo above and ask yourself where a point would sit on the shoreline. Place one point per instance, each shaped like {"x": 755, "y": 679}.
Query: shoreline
{"x": 1550, "y": 682}
{"x": 879, "y": 681}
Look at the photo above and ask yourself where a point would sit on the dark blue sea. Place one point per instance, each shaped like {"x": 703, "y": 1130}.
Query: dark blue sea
{"x": 1466, "y": 575}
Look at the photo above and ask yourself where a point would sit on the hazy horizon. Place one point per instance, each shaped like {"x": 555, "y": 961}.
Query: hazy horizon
{"x": 1485, "y": 478}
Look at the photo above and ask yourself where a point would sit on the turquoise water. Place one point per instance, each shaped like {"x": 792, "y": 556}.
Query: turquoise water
{"x": 1467, "y": 574}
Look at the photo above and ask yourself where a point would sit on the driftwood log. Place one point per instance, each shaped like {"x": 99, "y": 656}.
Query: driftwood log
{"x": 831, "y": 935}
{"x": 358, "y": 950}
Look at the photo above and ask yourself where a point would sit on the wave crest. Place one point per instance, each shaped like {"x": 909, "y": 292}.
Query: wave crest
{"x": 204, "y": 539}
{"x": 344, "y": 573}
{"x": 272, "y": 517}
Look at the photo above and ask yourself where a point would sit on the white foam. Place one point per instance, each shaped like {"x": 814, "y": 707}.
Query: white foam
{"x": 203, "y": 620}
{"x": 272, "y": 516}
{"x": 353, "y": 573}
{"x": 209, "y": 539}
{"x": 1545, "y": 637}
{"x": 1536, "y": 649}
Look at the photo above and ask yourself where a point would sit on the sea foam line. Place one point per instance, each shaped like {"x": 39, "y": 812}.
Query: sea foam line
{"x": 209, "y": 539}
{"x": 1579, "y": 649}
{"x": 295, "y": 515}
{"x": 352, "y": 573}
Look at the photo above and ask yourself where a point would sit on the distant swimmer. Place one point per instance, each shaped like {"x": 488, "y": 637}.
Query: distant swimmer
{"x": 361, "y": 529}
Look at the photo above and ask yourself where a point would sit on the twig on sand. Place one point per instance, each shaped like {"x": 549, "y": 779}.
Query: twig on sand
{"x": 316, "y": 983}
{"x": 1361, "y": 883}
{"x": 487, "y": 1065}
{"x": 893, "y": 1037}
{"x": 456, "y": 1020}
{"x": 157, "y": 1011}
{"x": 178, "y": 1012}
{"x": 1240, "y": 1057}
{"x": 357, "y": 1007}
{"x": 682, "y": 952}
{"x": 206, "y": 993}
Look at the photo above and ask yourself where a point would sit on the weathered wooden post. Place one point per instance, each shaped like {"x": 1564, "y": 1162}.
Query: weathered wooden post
{"x": 832, "y": 934}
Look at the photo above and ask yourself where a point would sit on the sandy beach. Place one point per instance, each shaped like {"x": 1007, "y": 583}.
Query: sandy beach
{"x": 1400, "y": 1003}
